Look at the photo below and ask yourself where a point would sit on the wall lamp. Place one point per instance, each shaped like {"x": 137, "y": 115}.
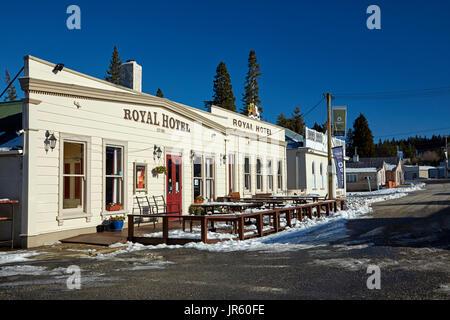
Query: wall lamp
{"x": 50, "y": 141}
{"x": 156, "y": 152}
{"x": 223, "y": 158}
{"x": 58, "y": 67}
{"x": 192, "y": 154}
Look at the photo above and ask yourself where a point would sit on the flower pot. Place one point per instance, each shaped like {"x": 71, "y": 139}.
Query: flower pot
{"x": 100, "y": 228}
{"x": 198, "y": 201}
{"x": 116, "y": 225}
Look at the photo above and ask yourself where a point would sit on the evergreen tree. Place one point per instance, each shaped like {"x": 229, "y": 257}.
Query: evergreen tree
{"x": 362, "y": 137}
{"x": 11, "y": 94}
{"x": 159, "y": 93}
{"x": 251, "y": 94}
{"x": 223, "y": 92}
{"x": 113, "y": 73}
{"x": 320, "y": 128}
{"x": 294, "y": 123}
{"x": 297, "y": 121}
{"x": 282, "y": 121}
{"x": 349, "y": 147}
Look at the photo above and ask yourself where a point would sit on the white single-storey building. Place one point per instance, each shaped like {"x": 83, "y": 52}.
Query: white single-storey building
{"x": 307, "y": 162}
{"x": 90, "y": 147}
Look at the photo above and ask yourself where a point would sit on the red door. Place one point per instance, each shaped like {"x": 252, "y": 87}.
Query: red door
{"x": 174, "y": 184}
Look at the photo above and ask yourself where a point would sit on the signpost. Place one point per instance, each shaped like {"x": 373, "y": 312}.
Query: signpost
{"x": 339, "y": 121}
{"x": 338, "y": 153}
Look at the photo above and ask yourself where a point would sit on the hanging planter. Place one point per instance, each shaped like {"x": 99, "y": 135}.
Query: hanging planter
{"x": 160, "y": 170}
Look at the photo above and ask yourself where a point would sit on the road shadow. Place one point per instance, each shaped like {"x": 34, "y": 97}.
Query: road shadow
{"x": 427, "y": 232}
{"x": 436, "y": 202}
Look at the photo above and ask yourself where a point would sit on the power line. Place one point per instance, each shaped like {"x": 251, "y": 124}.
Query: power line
{"x": 315, "y": 106}
{"x": 430, "y": 92}
{"x": 10, "y": 83}
{"x": 412, "y": 132}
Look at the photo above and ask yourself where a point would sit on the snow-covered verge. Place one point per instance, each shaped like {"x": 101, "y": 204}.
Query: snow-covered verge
{"x": 302, "y": 235}
{"x": 17, "y": 256}
{"x": 389, "y": 191}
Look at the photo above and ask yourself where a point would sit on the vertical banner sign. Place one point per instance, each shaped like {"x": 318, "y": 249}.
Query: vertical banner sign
{"x": 339, "y": 121}
{"x": 338, "y": 154}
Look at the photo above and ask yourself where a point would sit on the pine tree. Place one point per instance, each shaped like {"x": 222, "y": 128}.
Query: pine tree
{"x": 223, "y": 91}
{"x": 251, "y": 94}
{"x": 159, "y": 93}
{"x": 11, "y": 94}
{"x": 362, "y": 137}
{"x": 297, "y": 121}
{"x": 282, "y": 121}
{"x": 349, "y": 147}
{"x": 113, "y": 73}
{"x": 320, "y": 128}
{"x": 294, "y": 123}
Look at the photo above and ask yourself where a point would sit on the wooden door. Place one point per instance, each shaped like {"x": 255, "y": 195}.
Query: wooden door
{"x": 174, "y": 184}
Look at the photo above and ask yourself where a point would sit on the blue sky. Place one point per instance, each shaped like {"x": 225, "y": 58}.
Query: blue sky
{"x": 305, "y": 48}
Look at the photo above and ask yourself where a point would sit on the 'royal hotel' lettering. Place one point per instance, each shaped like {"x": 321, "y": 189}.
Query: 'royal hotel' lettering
{"x": 152, "y": 118}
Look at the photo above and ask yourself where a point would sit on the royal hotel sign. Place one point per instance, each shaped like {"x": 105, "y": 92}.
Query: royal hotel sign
{"x": 156, "y": 119}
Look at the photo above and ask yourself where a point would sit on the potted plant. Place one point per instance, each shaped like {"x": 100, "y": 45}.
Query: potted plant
{"x": 116, "y": 223}
{"x": 114, "y": 206}
{"x": 196, "y": 211}
{"x": 160, "y": 169}
{"x": 199, "y": 199}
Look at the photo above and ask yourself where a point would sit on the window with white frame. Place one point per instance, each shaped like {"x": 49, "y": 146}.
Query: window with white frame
{"x": 313, "y": 171}
{"x": 231, "y": 173}
{"x": 209, "y": 178}
{"x": 247, "y": 174}
{"x": 114, "y": 178}
{"x": 198, "y": 176}
{"x": 279, "y": 176}
{"x": 74, "y": 176}
{"x": 269, "y": 175}
{"x": 351, "y": 177}
{"x": 259, "y": 179}
{"x": 322, "y": 182}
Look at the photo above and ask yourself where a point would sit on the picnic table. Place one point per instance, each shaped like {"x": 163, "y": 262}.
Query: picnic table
{"x": 232, "y": 206}
{"x": 270, "y": 201}
{"x": 299, "y": 198}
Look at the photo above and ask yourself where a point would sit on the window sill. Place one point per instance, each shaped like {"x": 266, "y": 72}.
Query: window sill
{"x": 113, "y": 213}
{"x": 73, "y": 215}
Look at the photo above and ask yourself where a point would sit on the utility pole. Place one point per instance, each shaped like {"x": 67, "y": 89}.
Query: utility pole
{"x": 446, "y": 157}
{"x": 330, "y": 162}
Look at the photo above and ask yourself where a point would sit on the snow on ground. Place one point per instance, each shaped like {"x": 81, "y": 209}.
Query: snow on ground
{"x": 17, "y": 256}
{"x": 302, "y": 235}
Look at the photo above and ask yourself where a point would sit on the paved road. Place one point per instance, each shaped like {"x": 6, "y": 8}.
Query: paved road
{"x": 407, "y": 238}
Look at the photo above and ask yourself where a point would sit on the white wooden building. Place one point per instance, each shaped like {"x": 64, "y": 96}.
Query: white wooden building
{"x": 308, "y": 165}
{"x": 90, "y": 144}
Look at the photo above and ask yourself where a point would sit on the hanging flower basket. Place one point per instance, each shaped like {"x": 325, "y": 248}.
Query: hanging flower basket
{"x": 160, "y": 169}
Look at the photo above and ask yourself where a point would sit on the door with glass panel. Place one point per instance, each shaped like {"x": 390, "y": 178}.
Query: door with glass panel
{"x": 173, "y": 182}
